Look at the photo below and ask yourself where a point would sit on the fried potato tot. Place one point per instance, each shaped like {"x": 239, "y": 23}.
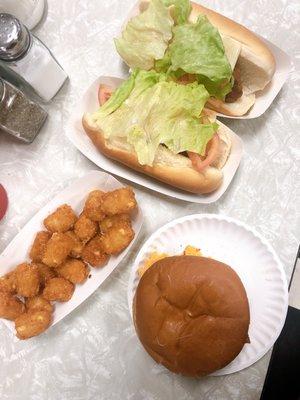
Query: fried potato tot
{"x": 85, "y": 228}
{"x": 8, "y": 283}
{"x": 77, "y": 245}
{"x": 114, "y": 221}
{"x": 45, "y": 272}
{"x": 58, "y": 289}
{"x": 10, "y": 306}
{"x": 119, "y": 201}
{"x": 117, "y": 238}
{"x": 38, "y": 303}
{"x": 61, "y": 220}
{"x": 27, "y": 280}
{"x": 57, "y": 249}
{"x": 92, "y": 208}
{"x": 38, "y": 247}
{"x": 75, "y": 271}
{"x": 32, "y": 323}
{"x": 94, "y": 254}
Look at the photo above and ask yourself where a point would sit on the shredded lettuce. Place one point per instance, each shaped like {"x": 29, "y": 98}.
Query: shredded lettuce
{"x": 182, "y": 9}
{"x": 157, "y": 111}
{"x": 152, "y": 41}
{"x": 198, "y": 49}
{"x": 120, "y": 95}
{"x": 146, "y": 36}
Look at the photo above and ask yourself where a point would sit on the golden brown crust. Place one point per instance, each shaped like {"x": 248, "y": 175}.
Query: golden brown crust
{"x": 183, "y": 178}
{"x": 191, "y": 314}
{"x": 32, "y": 323}
{"x": 236, "y": 31}
{"x": 10, "y": 306}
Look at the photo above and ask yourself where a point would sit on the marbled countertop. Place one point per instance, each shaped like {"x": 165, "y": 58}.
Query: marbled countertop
{"x": 94, "y": 352}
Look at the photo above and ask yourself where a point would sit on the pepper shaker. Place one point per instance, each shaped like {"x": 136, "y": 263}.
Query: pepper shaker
{"x": 29, "y": 58}
{"x": 19, "y": 116}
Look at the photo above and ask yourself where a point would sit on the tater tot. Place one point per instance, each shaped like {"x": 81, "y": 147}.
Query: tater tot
{"x": 38, "y": 303}
{"x": 39, "y": 244}
{"x": 57, "y": 249}
{"x": 93, "y": 253}
{"x": 114, "y": 220}
{"x": 27, "y": 280}
{"x": 75, "y": 271}
{"x": 45, "y": 272}
{"x": 10, "y": 307}
{"x": 85, "y": 228}
{"x": 119, "y": 201}
{"x": 8, "y": 283}
{"x": 117, "y": 239}
{"x": 77, "y": 245}
{"x": 92, "y": 208}
{"x": 61, "y": 220}
{"x": 58, "y": 289}
{"x": 32, "y": 323}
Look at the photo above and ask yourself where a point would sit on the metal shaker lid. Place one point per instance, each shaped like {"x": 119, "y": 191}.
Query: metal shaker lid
{"x": 14, "y": 38}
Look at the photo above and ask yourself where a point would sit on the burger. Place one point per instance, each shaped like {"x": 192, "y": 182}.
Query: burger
{"x": 191, "y": 314}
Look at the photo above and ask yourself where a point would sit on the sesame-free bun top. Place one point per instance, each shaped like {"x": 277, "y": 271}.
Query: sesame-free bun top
{"x": 191, "y": 314}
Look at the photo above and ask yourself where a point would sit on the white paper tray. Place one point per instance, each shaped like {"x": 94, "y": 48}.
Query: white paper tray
{"x": 74, "y": 195}
{"x": 249, "y": 254}
{"x": 77, "y": 135}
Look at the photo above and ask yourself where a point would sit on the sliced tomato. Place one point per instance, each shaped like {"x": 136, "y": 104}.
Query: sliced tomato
{"x": 200, "y": 163}
{"x": 104, "y": 93}
{"x": 3, "y": 202}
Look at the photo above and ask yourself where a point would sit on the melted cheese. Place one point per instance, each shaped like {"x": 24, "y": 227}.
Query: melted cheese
{"x": 153, "y": 257}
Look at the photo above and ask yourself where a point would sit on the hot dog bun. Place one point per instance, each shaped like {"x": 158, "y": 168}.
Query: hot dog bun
{"x": 255, "y": 62}
{"x": 173, "y": 169}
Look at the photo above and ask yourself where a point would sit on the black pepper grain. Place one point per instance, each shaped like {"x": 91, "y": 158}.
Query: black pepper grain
{"x": 19, "y": 116}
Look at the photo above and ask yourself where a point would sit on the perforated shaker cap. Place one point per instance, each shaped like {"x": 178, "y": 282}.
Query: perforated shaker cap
{"x": 15, "y": 39}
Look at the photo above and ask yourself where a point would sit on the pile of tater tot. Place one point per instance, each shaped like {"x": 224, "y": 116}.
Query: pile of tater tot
{"x": 61, "y": 257}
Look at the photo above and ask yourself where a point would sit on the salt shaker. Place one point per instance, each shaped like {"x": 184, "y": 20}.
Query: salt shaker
{"x": 29, "y": 58}
{"x": 29, "y": 12}
{"x": 19, "y": 116}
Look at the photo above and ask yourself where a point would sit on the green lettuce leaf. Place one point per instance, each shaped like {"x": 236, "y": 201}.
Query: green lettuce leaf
{"x": 198, "y": 49}
{"x": 146, "y": 36}
{"x": 164, "y": 64}
{"x": 182, "y": 9}
{"x": 119, "y": 95}
{"x": 218, "y": 91}
{"x": 158, "y": 112}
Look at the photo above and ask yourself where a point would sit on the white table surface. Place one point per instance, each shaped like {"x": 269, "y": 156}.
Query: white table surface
{"x": 94, "y": 353}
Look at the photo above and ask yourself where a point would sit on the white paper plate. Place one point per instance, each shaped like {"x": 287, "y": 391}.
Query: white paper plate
{"x": 74, "y": 195}
{"x": 77, "y": 135}
{"x": 265, "y": 97}
{"x": 249, "y": 254}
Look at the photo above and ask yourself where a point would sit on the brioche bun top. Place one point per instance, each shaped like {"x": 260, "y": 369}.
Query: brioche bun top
{"x": 191, "y": 314}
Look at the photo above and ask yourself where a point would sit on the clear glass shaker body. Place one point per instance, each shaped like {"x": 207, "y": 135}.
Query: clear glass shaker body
{"x": 19, "y": 116}
{"x": 30, "y": 12}
{"x": 39, "y": 68}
